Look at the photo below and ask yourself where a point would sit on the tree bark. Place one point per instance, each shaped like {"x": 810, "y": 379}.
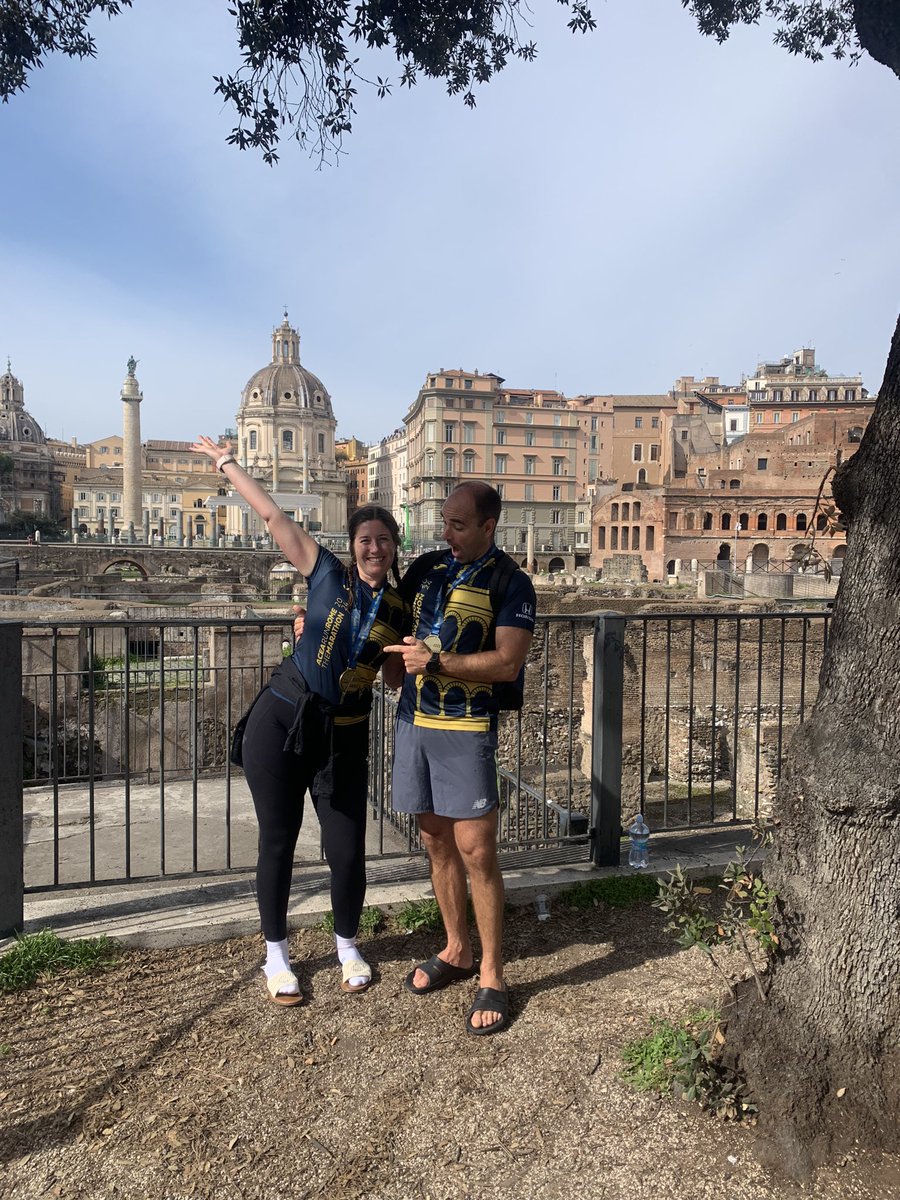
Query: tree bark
{"x": 821, "y": 1054}
{"x": 878, "y": 29}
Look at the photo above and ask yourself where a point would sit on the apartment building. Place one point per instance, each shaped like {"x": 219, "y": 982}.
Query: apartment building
{"x": 352, "y": 459}
{"x": 388, "y": 474}
{"x": 786, "y": 391}
{"x": 524, "y": 442}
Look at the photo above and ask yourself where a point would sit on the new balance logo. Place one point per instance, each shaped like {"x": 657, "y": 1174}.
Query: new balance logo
{"x": 480, "y": 804}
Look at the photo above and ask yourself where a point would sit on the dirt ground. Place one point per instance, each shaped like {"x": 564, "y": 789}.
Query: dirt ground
{"x": 172, "y": 1076}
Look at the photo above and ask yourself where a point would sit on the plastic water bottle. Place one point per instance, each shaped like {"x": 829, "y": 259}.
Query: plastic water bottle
{"x": 639, "y": 854}
{"x": 542, "y": 907}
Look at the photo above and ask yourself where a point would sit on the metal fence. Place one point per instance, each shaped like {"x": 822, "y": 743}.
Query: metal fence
{"x": 125, "y": 729}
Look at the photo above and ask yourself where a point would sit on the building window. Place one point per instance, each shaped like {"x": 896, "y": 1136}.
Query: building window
{"x": 649, "y": 538}
{"x": 637, "y": 452}
{"x": 448, "y": 431}
{"x": 855, "y": 434}
{"x": 832, "y": 394}
{"x": 556, "y": 491}
{"x": 593, "y": 423}
{"x": 636, "y": 511}
{"x": 762, "y": 464}
{"x": 593, "y": 443}
{"x": 467, "y": 384}
{"x": 82, "y": 495}
{"x": 614, "y": 538}
{"x": 499, "y": 489}
{"x": 689, "y": 520}
{"x": 673, "y": 520}
{"x": 499, "y": 418}
{"x": 849, "y": 395}
{"x": 642, "y": 476}
{"x": 795, "y": 416}
{"x": 776, "y": 417}
{"x": 450, "y": 463}
{"x": 684, "y": 435}
{"x": 500, "y": 437}
{"x": 555, "y": 516}
{"x": 557, "y": 419}
{"x": 777, "y": 395}
{"x": 734, "y": 483}
{"x": 638, "y": 422}
{"x": 813, "y": 395}
{"x": 601, "y": 537}
{"x": 801, "y": 522}
{"x": 320, "y": 444}
{"x": 500, "y": 464}
{"x": 636, "y": 537}
{"x": 726, "y": 520}
{"x": 614, "y": 513}
{"x": 732, "y": 425}
{"x": 529, "y": 437}
{"x": 530, "y": 464}
{"x": 448, "y": 382}
{"x": 252, "y": 442}
{"x": 781, "y": 520}
{"x": 626, "y": 512}
{"x": 468, "y": 462}
{"x": 795, "y": 395}
{"x": 557, "y": 438}
{"x": 654, "y": 453}
{"x": 468, "y": 432}
{"x": 762, "y": 522}
{"x": 287, "y": 439}
{"x": 529, "y": 491}
{"x": 557, "y": 466}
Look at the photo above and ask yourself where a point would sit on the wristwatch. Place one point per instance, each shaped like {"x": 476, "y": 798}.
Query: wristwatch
{"x": 433, "y": 666}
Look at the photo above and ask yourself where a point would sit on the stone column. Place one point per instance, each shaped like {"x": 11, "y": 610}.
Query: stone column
{"x": 131, "y": 448}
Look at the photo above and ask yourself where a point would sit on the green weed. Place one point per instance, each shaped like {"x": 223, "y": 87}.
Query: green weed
{"x": 618, "y": 891}
{"x": 370, "y": 921}
{"x": 38, "y": 955}
{"x": 420, "y": 914}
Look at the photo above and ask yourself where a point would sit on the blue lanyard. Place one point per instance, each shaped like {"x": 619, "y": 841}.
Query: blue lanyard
{"x": 453, "y": 580}
{"x": 361, "y": 627}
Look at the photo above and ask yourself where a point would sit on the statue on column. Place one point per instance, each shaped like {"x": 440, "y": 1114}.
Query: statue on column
{"x": 132, "y": 366}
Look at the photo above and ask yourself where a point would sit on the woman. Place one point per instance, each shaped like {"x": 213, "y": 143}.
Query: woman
{"x": 309, "y": 727}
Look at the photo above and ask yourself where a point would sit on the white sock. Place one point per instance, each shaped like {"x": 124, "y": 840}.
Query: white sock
{"x": 277, "y": 959}
{"x": 347, "y": 949}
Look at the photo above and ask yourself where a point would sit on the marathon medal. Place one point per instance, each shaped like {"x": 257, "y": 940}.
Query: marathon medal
{"x": 349, "y": 680}
{"x": 352, "y": 680}
{"x": 433, "y": 643}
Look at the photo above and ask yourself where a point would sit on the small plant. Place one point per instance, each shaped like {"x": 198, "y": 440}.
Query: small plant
{"x": 681, "y": 1058}
{"x": 37, "y": 955}
{"x": 747, "y": 912}
{"x": 420, "y": 914}
{"x": 370, "y": 921}
{"x": 618, "y": 891}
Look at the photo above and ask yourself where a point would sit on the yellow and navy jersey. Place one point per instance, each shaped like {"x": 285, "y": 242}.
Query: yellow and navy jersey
{"x": 461, "y": 614}
{"x": 324, "y": 652}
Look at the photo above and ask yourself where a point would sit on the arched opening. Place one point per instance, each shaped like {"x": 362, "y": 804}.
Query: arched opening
{"x": 614, "y": 512}
{"x": 726, "y": 520}
{"x": 707, "y": 520}
{"x": 762, "y": 521}
{"x": 734, "y": 483}
{"x": 781, "y": 521}
{"x": 126, "y": 567}
{"x": 626, "y": 512}
{"x": 799, "y": 555}
{"x": 556, "y": 564}
{"x": 642, "y": 476}
{"x": 801, "y": 522}
{"x": 821, "y": 522}
{"x": 724, "y": 555}
{"x": 759, "y": 558}
{"x": 670, "y": 567}
{"x": 837, "y": 559}
{"x": 689, "y": 520}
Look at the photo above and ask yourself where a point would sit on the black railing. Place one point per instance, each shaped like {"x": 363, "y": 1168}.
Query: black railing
{"x": 126, "y": 725}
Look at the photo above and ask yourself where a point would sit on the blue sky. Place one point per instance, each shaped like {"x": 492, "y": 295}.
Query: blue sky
{"x": 638, "y": 204}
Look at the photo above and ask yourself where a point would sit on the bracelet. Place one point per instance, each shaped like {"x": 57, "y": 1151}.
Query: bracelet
{"x": 224, "y": 460}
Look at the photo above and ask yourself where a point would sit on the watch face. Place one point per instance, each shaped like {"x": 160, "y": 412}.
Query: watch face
{"x": 433, "y": 666}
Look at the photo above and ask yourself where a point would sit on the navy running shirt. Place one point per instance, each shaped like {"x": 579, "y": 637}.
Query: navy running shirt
{"x": 324, "y": 651}
{"x": 441, "y": 701}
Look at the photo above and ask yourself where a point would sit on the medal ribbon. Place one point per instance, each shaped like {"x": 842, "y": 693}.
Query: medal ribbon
{"x": 454, "y": 580}
{"x": 361, "y": 627}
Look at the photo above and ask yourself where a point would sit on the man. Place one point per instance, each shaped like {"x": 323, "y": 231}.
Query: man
{"x": 445, "y": 770}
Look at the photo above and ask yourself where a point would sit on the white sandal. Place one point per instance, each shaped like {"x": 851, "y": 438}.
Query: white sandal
{"x": 275, "y": 986}
{"x": 355, "y": 969}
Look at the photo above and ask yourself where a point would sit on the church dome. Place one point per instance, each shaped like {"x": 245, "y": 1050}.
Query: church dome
{"x": 17, "y": 425}
{"x": 284, "y": 384}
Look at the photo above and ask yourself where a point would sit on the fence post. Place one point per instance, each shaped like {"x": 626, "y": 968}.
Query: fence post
{"x": 606, "y": 738}
{"x": 12, "y": 878}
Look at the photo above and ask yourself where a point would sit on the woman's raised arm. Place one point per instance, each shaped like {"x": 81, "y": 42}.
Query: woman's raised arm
{"x": 297, "y": 546}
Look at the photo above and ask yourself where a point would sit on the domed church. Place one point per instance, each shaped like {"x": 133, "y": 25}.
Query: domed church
{"x": 33, "y": 485}
{"x": 285, "y": 433}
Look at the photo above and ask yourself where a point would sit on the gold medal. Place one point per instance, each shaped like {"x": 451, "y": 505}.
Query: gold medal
{"x": 433, "y": 643}
{"x": 349, "y": 681}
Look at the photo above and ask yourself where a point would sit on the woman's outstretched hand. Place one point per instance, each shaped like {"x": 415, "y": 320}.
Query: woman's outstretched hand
{"x": 205, "y": 445}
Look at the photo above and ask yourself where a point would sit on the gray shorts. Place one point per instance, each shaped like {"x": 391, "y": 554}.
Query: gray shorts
{"x": 450, "y": 772}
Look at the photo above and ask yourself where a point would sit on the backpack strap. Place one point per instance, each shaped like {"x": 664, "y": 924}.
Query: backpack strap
{"x": 416, "y": 572}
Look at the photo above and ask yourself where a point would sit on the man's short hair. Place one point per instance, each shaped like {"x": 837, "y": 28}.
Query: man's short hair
{"x": 486, "y": 499}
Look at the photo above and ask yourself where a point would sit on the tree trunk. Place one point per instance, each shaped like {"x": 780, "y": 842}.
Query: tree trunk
{"x": 821, "y": 1054}
{"x": 878, "y": 30}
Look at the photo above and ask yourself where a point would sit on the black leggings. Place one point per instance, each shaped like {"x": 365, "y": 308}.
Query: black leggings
{"x": 278, "y": 783}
